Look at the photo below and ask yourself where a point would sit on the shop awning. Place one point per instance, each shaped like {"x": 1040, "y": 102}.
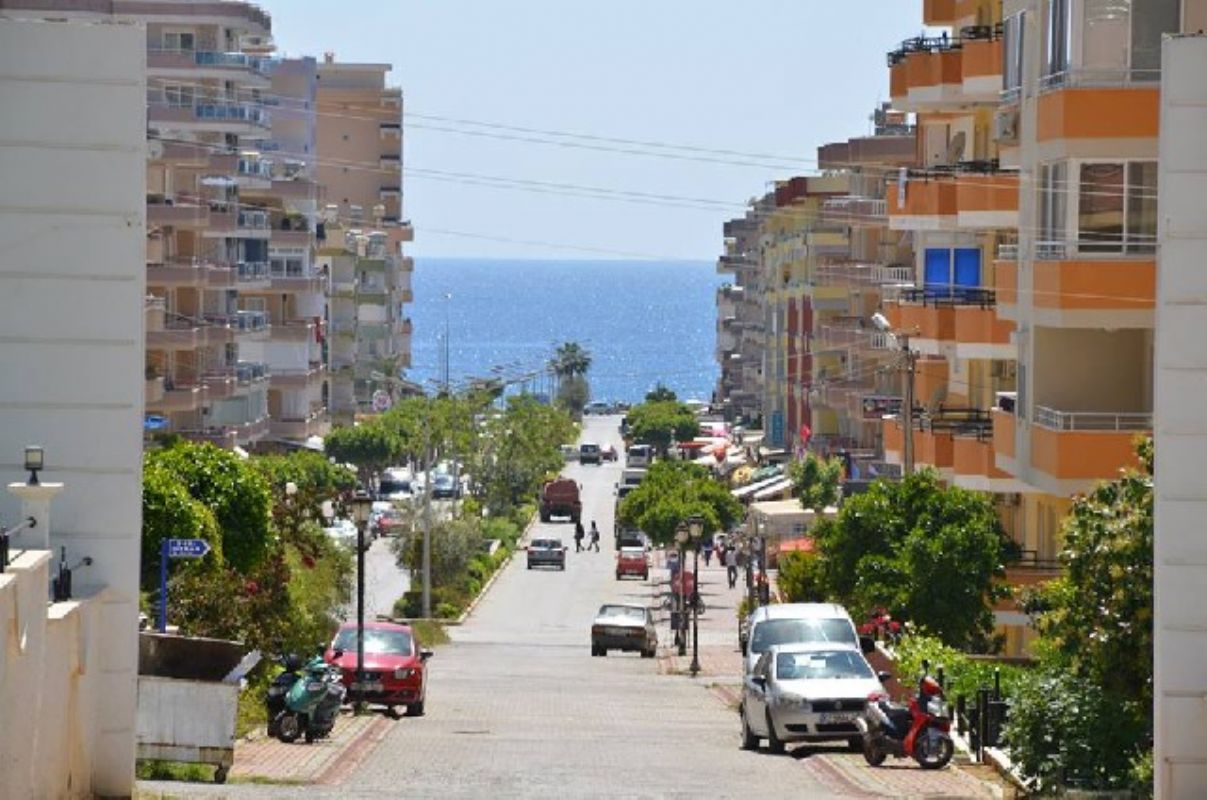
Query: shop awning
{"x": 776, "y": 488}
{"x": 750, "y": 488}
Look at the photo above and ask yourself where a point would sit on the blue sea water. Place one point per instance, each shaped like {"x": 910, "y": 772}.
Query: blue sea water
{"x": 643, "y": 322}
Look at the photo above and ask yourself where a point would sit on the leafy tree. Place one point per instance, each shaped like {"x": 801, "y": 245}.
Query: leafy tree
{"x": 170, "y": 512}
{"x": 661, "y": 422}
{"x": 798, "y": 579}
{"x": 235, "y": 493}
{"x": 520, "y": 448}
{"x": 926, "y": 553}
{"x": 673, "y": 491}
{"x": 370, "y": 446}
{"x": 316, "y": 479}
{"x": 661, "y": 394}
{"x": 1096, "y": 619}
{"x": 573, "y": 394}
{"x": 816, "y": 481}
{"x": 570, "y": 359}
{"x": 454, "y": 544}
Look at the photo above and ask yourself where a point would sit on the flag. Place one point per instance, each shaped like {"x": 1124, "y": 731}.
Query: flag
{"x": 805, "y": 433}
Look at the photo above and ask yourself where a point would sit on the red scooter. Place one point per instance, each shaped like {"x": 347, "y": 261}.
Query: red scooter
{"x": 920, "y": 731}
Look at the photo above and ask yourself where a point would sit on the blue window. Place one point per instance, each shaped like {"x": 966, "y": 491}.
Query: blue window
{"x": 937, "y": 276}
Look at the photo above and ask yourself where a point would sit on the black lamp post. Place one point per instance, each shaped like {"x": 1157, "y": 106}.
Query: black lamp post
{"x": 681, "y": 535}
{"x": 695, "y": 527}
{"x": 362, "y": 506}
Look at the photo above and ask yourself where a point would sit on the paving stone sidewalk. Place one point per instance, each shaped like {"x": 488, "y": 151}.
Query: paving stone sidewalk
{"x": 327, "y": 761}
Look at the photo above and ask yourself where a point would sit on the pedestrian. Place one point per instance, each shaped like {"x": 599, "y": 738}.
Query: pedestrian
{"x": 707, "y": 554}
{"x": 594, "y": 537}
{"x": 731, "y": 566}
{"x": 578, "y": 536}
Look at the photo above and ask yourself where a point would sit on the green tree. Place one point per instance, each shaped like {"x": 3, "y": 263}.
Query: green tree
{"x": 661, "y": 422}
{"x": 316, "y": 479}
{"x": 170, "y": 512}
{"x": 235, "y": 493}
{"x": 799, "y": 580}
{"x": 816, "y": 481}
{"x": 661, "y": 394}
{"x": 573, "y": 394}
{"x": 454, "y": 544}
{"x": 570, "y": 359}
{"x": 927, "y": 553}
{"x": 520, "y": 448}
{"x": 370, "y": 446}
{"x": 671, "y": 492}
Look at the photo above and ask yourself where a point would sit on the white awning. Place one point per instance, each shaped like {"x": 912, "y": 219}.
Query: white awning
{"x": 751, "y": 488}
{"x": 777, "y": 487}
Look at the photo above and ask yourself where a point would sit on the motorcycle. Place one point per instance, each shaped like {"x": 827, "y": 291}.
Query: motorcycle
{"x": 310, "y": 704}
{"x": 274, "y": 697}
{"x": 921, "y": 730}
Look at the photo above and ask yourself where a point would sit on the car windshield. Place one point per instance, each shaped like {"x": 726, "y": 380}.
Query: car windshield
{"x": 377, "y": 641}
{"x": 623, "y": 612}
{"x": 546, "y": 544}
{"x": 393, "y": 486}
{"x": 792, "y": 631}
{"x": 590, "y": 448}
{"x": 833, "y": 664}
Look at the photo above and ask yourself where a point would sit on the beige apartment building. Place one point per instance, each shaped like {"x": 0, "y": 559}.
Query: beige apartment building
{"x": 359, "y": 146}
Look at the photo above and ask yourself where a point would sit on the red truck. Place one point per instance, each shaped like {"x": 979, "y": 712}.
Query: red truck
{"x": 559, "y": 497}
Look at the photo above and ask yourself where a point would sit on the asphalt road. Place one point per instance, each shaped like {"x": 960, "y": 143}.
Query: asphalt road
{"x": 517, "y": 707}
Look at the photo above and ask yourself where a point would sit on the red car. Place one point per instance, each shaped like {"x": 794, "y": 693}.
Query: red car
{"x": 395, "y": 669}
{"x": 632, "y": 561}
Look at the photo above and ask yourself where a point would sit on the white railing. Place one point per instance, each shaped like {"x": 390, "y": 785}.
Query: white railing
{"x": 1007, "y": 252}
{"x": 1083, "y": 76}
{"x": 1092, "y": 420}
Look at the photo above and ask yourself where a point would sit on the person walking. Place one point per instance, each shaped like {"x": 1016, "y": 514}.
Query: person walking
{"x": 594, "y": 537}
{"x": 707, "y": 553}
{"x": 731, "y": 566}
{"x": 578, "y": 536}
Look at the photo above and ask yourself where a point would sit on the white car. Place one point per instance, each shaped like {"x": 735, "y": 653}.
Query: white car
{"x": 789, "y": 623}
{"x": 639, "y": 456}
{"x": 813, "y": 692}
{"x": 342, "y": 531}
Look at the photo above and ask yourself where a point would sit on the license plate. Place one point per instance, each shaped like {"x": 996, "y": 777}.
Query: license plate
{"x": 831, "y": 719}
{"x": 367, "y": 686}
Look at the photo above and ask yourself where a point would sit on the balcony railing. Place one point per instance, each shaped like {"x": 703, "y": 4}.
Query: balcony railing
{"x": 249, "y": 321}
{"x": 1007, "y": 251}
{"x": 950, "y": 296}
{"x": 255, "y": 168}
{"x": 1092, "y": 420}
{"x": 208, "y": 58}
{"x": 249, "y": 371}
{"x": 1086, "y": 78}
{"x": 252, "y": 270}
{"x": 254, "y": 220}
{"x": 235, "y": 112}
{"x": 1112, "y": 245}
{"x": 959, "y": 422}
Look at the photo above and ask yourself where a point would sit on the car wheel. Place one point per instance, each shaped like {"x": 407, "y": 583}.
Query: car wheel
{"x": 529, "y": 566}
{"x": 773, "y": 741}
{"x": 855, "y": 744}
{"x": 562, "y": 566}
{"x": 648, "y": 653}
{"x": 416, "y": 709}
{"x": 749, "y": 740}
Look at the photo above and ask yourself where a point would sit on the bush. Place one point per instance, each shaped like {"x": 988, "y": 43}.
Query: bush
{"x": 1064, "y": 731}
{"x": 448, "y": 611}
{"x": 962, "y": 674}
{"x": 799, "y": 578}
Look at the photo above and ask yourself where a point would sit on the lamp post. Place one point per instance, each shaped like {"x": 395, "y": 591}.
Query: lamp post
{"x": 695, "y": 525}
{"x": 681, "y": 535}
{"x": 34, "y": 462}
{"x": 910, "y": 359}
{"x": 362, "y": 505}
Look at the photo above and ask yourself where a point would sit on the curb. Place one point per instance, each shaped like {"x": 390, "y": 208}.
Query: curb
{"x": 354, "y": 753}
{"x": 506, "y": 562}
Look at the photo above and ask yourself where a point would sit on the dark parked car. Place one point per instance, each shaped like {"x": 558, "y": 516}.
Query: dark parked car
{"x": 444, "y": 486}
{"x": 546, "y": 553}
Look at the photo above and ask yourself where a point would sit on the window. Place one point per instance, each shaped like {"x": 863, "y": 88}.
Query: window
{"x": 179, "y": 40}
{"x": 1158, "y": 18}
{"x": 1057, "y": 45}
{"x": 178, "y": 96}
{"x": 1104, "y": 39}
{"x": 1053, "y": 205}
{"x": 1012, "y": 53}
{"x": 1117, "y": 207}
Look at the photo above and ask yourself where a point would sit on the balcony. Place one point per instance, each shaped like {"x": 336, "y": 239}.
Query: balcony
{"x": 154, "y": 313}
{"x": 390, "y": 192}
{"x": 727, "y": 263}
{"x": 986, "y": 200}
{"x": 287, "y": 237}
{"x": 219, "y": 384}
{"x": 1032, "y": 570}
{"x": 296, "y": 379}
{"x": 1089, "y": 291}
{"x": 251, "y": 322}
{"x": 248, "y": 119}
{"x": 296, "y": 280}
{"x": 180, "y": 273}
{"x": 178, "y": 398}
{"x": 316, "y": 424}
{"x": 177, "y": 214}
{"x": 250, "y": 373}
{"x": 293, "y": 331}
{"x": 202, "y": 63}
{"x": 251, "y": 275}
{"x": 929, "y": 204}
{"x": 1075, "y": 448}
{"x": 390, "y": 131}
{"x": 926, "y": 74}
{"x": 177, "y": 334}
{"x": 854, "y": 211}
{"x": 975, "y": 459}
{"x": 1098, "y": 105}
{"x": 1005, "y": 280}
{"x": 981, "y": 67}
{"x": 153, "y": 391}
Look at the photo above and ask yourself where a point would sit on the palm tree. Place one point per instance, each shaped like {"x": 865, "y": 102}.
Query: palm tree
{"x": 570, "y": 359}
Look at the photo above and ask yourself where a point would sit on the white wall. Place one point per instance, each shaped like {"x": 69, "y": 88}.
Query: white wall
{"x": 72, "y": 280}
{"x": 1180, "y": 552}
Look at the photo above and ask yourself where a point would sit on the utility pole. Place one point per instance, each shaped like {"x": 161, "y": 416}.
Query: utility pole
{"x": 427, "y": 527}
{"x": 911, "y": 359}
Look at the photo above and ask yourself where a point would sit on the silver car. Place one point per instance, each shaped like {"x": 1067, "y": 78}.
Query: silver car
{"x": 814, "y": 692}
{"x": 624, "y": 626}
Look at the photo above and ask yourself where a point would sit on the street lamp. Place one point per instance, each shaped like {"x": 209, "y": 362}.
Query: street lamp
{"x": 681, "y": 535}
{"x": 362, "y": 505}
{"x": 911, "y": 359}
{"x": 695, "y": 525}
{"x": 34, "y": 462}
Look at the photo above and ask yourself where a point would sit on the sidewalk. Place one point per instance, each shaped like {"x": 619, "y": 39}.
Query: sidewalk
{"x": 327, "y": 761}
{"x": 719, "y": 654}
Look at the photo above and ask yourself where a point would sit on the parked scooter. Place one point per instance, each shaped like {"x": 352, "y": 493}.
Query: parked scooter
{"x": 920, "y": 731}
{"x": 274, "y": 697}
{"x": 311, "y": 704}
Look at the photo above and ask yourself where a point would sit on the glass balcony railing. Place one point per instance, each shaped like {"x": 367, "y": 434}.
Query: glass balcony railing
{"x": 249, "y": 371}
{"x": 234, "y": 112}
{"x": 253, "y": 219}
{"x": 249, "y": 321}
{"x": 255, "y": 168}
{"x": 209, "y": 58}
{"x": 252, "y": 270}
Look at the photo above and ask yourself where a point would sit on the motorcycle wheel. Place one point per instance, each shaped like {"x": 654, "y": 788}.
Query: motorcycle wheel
{"x": 934, "y": 751}
{"x": 872, "y": 752}
{"x": 289, "y": 727}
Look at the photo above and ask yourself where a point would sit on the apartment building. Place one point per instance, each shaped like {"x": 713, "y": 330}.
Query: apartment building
{"x": 359, "y": 145}
{"x": 740, "y": 321}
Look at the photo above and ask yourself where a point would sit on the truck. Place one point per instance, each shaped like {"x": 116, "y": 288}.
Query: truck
{"x": 560, "y": 498}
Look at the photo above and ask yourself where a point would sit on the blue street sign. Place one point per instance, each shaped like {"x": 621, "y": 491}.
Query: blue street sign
{"x": 169, "y": 549}
{"x": 187, "y": 548}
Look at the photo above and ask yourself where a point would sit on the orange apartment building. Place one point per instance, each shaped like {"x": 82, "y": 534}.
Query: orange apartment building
{"x": 1034, "y": 212}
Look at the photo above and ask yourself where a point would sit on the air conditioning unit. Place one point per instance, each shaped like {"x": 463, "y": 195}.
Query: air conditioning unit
{"x": 1005, "y": 124}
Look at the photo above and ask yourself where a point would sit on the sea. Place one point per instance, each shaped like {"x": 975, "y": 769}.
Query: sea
{"x": 643, "y": 322}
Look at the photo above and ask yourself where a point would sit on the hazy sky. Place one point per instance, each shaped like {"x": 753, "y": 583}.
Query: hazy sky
{"x": 754, "y": 77}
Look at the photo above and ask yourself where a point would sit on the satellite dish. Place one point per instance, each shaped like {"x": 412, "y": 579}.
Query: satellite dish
{"x": 955, "y": 148}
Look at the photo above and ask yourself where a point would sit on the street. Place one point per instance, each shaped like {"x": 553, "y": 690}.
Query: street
{"x": 516, "y": 705}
